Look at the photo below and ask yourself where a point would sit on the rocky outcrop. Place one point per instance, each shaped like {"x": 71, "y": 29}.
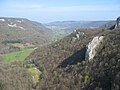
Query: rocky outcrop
{"x": 92, "y": 47}
{"x": 77, "y": 35}
{"x": 117, "y": 25}
{"x": 118, "y": 22}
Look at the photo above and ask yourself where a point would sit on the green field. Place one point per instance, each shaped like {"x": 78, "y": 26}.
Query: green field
{"x": 17, "y": 56}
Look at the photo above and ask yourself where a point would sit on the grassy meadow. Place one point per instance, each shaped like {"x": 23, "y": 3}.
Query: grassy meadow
{"x": 17, "y": 56}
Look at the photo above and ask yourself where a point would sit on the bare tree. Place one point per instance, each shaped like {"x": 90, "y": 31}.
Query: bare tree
{"x": 1, "y": 57}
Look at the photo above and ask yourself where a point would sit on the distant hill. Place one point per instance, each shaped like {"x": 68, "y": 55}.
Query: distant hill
{"x": 20, "y": 30}
{"x": 23, "y": 29}
{"x": 108, "y": 25}
{"x": 71, "y": 25}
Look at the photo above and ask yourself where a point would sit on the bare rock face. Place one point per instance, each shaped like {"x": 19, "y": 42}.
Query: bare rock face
{"x": 77, "y": 35}
{"x": 117, "y": 22}
{"x": 92, "y": 47}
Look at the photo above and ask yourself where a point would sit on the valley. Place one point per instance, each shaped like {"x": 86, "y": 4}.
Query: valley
{"x": 19, "y": 37}
{"x": 59, "y": 44}
{"x": 68, "y": 55}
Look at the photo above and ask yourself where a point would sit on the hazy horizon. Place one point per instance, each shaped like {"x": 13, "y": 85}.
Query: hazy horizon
{"x": 50, "y": 11}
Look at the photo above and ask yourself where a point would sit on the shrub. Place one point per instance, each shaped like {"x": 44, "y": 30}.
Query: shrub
{"x": 11, "y": 41}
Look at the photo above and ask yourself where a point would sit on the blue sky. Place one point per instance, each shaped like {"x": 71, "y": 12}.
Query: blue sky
{"x": 61, "y": 10}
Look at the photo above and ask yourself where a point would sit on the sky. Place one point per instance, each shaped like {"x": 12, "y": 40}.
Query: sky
{"x": 61, "y": 10}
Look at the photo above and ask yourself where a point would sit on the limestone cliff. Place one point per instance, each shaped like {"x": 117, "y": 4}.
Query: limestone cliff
{"x": 92, "y": 47}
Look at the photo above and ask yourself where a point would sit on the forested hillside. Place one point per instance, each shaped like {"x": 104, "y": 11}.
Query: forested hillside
{"x": 62, "y": 65}
{"x": 18, "y": 33}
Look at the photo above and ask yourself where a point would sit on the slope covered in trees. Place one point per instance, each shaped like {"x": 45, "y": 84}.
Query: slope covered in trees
{"x": 62, "y": 65}
{"x": 14, "y": 77}
{"x": 22, "y": 31}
